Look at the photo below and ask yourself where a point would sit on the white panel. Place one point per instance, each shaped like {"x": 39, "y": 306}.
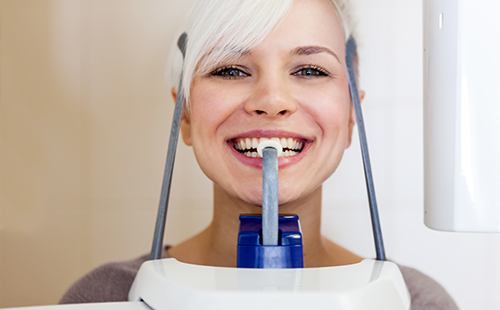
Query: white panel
{"x": 462, "y": 113}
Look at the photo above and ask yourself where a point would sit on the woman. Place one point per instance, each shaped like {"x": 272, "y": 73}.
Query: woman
{"x": 263, "y": 69}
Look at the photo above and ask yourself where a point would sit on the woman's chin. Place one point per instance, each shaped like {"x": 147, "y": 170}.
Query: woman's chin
{"x": 255, "y": 198}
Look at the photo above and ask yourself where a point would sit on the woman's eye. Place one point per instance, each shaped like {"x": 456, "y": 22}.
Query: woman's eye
{"x": 311, "y": 72}
{"x": 230, "y": 73}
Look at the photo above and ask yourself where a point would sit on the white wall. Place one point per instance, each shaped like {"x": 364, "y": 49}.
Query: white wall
{"x": 84, "y": 120}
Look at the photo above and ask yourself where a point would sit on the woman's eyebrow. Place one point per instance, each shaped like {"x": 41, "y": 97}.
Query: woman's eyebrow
{"x": 313, "y": 49}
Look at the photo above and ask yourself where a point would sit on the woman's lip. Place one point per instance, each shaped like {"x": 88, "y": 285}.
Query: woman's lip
{"x": 269, "y": 133}
{"x": 256, "y": 162}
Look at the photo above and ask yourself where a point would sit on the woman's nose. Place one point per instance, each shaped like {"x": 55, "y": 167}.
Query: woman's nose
{"x": 271, "y": 99}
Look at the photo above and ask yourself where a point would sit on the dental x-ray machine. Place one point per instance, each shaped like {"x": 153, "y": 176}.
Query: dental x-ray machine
{"x": 270, "y": 260}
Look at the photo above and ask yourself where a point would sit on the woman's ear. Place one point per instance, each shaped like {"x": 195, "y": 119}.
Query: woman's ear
{"x": 352, "y": 119}
{"x": 185, "y": 121}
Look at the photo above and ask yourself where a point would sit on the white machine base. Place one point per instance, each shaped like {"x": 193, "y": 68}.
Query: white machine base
{"x": 170, "y": 284}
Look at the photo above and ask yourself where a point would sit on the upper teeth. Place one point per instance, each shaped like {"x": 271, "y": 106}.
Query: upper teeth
{"x": 252, "y": 143}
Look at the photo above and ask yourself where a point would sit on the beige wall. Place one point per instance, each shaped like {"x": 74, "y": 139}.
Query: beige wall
{"x": 84, "y": 120}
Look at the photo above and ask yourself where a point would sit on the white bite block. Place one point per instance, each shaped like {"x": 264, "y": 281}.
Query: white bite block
{"x": 269, "y": 143}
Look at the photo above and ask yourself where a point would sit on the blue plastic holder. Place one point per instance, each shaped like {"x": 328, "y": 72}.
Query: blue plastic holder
{"x": 287, "y": 254}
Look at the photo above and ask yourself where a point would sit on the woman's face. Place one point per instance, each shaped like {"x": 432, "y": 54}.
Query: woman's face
{"x": 293, "y": 86}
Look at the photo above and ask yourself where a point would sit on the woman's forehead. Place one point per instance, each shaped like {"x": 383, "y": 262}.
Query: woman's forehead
{"x": 310, "y": 26}
{"x": 309, "y": 22}
{"x": 317, "y": 31}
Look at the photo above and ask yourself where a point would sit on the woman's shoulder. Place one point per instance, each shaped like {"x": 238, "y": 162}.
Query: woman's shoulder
{"x": 426, "y": 293}
{"x": 107, "y": 283}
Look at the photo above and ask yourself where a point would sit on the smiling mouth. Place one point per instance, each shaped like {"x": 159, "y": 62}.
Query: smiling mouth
{"x": 248, "y": 146}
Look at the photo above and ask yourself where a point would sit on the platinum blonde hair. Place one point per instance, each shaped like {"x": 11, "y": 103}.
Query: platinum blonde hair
{"x": 220, "y": 30}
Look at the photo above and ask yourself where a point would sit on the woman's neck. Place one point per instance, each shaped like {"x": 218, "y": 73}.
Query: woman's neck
{"x": 217, "y": 244}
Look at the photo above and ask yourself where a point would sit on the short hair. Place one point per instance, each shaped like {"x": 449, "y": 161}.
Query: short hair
{"x": 219, "y": 30}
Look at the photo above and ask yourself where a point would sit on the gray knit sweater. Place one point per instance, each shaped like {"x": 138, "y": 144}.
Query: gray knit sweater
{"x": 112, "y": 282}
